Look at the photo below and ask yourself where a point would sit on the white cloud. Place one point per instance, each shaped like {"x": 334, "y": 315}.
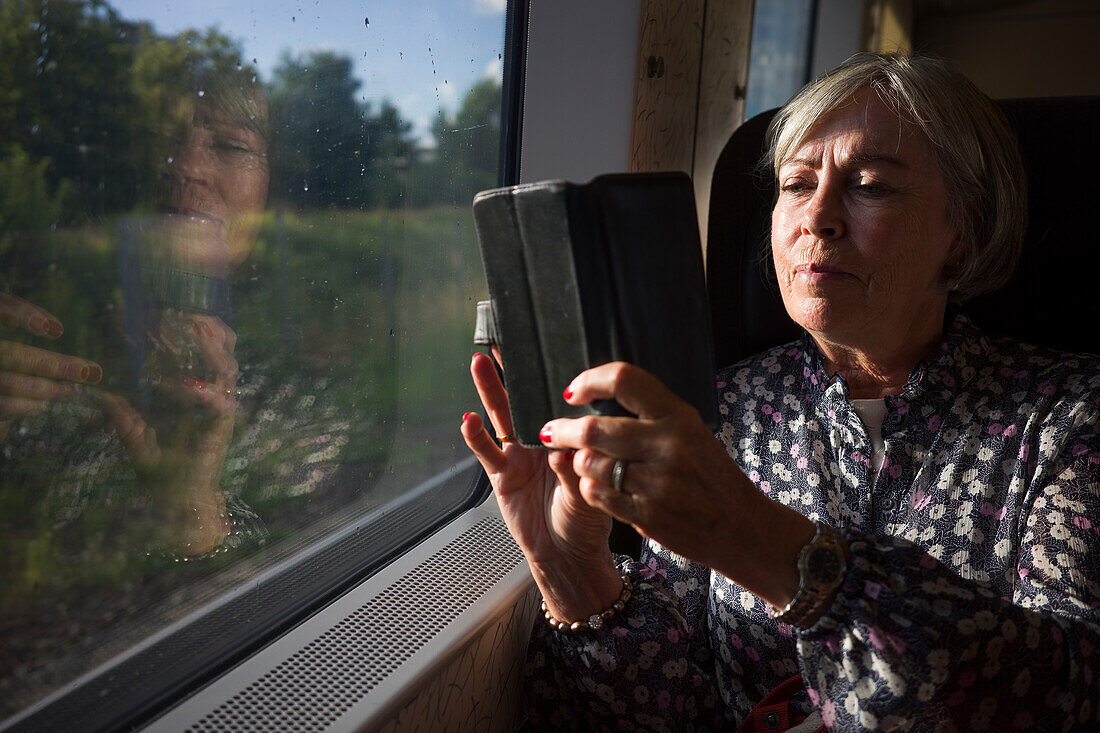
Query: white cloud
{"x": 448, "y": 95}
{"x": 422, "y": 132}
{"x": 490, "y": 7}
{"x": 493, "y": 69}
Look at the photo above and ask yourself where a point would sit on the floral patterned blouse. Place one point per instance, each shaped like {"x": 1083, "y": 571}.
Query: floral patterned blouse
{"x": 972, "y": 601}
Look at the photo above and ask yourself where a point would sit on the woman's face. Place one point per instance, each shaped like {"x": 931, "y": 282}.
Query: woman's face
{"x": 218, "y": 183}
{"x": 860, "y": 231}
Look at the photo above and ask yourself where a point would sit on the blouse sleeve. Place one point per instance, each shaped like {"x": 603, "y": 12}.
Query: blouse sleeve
{"x": 911, "y": 645}
{"x": 649, "y": 666}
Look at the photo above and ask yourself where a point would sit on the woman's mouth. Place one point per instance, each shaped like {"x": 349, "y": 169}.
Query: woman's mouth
{"x": 191, "y": 215}
{"x": 818, "y": 273}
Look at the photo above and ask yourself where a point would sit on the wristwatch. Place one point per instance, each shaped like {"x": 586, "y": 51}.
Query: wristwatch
{"x": 821, "y": 569}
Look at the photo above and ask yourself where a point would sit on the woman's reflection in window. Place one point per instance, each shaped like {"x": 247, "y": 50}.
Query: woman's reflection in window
{"x": 213, "y": 190}
{"x": 105, "y": 473}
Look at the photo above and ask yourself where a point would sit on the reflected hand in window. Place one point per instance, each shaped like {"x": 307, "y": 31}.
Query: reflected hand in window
{"x": 194, "y": 376}
{"x": 32, "y": 377}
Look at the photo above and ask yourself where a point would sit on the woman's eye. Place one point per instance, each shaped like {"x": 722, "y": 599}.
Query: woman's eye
{"x": 231, "y": 146}
{"x": 795, "y": 187}
{"x": 871, "y": 188}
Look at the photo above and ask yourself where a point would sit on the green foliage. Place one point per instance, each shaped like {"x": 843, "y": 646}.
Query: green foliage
{"x": 367, "y": 314}
{"x": 97, "y": 96}
{"x": 330, "y": 151}
{"x": 27, "y": 200}
{"x": 64, "y": 95}
{"x": 468, "y": 144}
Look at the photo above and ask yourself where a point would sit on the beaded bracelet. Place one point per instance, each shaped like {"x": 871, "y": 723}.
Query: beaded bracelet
{"x": 596, "y": 621}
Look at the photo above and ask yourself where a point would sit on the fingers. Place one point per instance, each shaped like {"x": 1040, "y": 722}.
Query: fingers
{"x": 621, "y": 437}
{"x": 31, "y": 360}
{"x": 216, "y": 396}
{"x": 624, "y": 505}
{"x": 28, "y": 387}
{"x": 492, "y": 393}
{"x": 561, "y": 463}
{"x": 30, "y": 377}
{"x": 663, "y": 419}
{"x": 201, "y": 347}
{"x": 19, "y": 407}
{"x": 596, "y": 484}
{"x": 594, "y": 465}
{"x": 179, "y": 331}
{"x": 22, "y": 394}
{"x": 635, "y": 389}
{"x": 139, "y": 439}
{"x": 215, "y": 341}
{"x": 18, "y": 313}
{"x": 486, "y": 450}
{"x": 213, "y": 331}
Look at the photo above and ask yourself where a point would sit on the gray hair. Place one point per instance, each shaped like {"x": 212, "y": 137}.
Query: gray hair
{"x": 975, "y": 148}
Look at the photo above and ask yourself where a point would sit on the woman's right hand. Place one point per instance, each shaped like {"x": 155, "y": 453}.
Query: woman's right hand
{"x": 195, "y": 375}
{"x": 563, "y": 538}
{"x": 30, "y": 377}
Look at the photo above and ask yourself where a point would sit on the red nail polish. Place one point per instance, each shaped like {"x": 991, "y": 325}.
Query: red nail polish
{"x": 567, "y": 394}
{"x": 95, "y": 374}
{"x": 56, "y": 329}
{"x": 466, "y": 416}
{"x": 544, "y": 434}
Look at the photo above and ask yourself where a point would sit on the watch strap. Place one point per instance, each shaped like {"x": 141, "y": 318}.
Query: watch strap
{"x": 812, "y": 593}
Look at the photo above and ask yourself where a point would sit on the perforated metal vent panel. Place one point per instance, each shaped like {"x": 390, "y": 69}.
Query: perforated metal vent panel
{"x": 312, "y": 688}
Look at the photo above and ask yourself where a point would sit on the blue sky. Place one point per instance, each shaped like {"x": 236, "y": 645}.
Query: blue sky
{"x": 420, "y": 54}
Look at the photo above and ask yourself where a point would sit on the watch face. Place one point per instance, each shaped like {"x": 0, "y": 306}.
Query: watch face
{"x": 823, "y": 565}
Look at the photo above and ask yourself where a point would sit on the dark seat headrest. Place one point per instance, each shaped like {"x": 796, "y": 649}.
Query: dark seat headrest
{"x": 1052, "y": 298}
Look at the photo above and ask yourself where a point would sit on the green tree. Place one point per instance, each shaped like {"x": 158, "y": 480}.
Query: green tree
{"x": 27, "y": 200}
{"x": 468, "y": 143}
{"x": 331, "y": 151}
{"x": 392, "y": 154}
{"x": 65, "y": 96}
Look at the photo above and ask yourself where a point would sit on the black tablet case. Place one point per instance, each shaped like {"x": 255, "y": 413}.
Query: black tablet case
{"x": 580, "y": 275}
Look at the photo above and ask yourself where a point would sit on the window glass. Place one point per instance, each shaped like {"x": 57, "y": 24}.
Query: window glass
{"x": 237, "y": 284}
{"x": 779, "y": 64}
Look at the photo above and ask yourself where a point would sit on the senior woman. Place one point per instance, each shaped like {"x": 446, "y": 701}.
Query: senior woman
{"x": 897, "y": 512}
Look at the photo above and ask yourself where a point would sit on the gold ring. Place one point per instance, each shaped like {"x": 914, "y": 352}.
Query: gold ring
{"x": 509, "y": 438}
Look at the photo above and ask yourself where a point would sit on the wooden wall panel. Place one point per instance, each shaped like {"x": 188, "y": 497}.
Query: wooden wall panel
{"x": 724, "y": 72}
{"x": 666, "y": 85}
{"x": 689, "y": 93}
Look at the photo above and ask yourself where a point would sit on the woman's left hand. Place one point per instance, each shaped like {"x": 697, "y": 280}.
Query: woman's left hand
{"x": 680, "y": 486}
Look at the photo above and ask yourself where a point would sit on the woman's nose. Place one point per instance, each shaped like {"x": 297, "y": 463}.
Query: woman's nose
{"x": 823, "y": 217}
{"x": 191, "y": 162}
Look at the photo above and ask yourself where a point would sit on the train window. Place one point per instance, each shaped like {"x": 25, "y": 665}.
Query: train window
{"x": 781, "y": 52}
{"x": 237, "y": 273}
